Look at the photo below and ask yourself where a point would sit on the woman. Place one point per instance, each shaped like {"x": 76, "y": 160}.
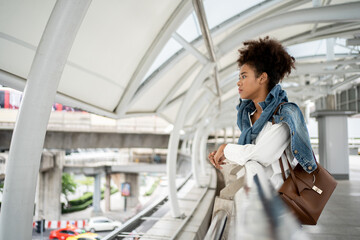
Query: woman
{"x": 263, "y": 64}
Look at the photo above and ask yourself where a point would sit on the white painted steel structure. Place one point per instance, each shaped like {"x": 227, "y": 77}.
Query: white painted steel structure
{"x": 30, "y": 128}
{"x": 135, "y": 58}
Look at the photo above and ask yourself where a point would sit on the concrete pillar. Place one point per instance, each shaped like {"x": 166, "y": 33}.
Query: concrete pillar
{"x": 133, "y": 179}
{"x": 107, "y": 192}
{"x": 97, "y": 194}
{"x": 118, "y": 178}
{"x": 48, "y": 205}
{"x": 330, "y": 103}
{"x": 333, "y": 141}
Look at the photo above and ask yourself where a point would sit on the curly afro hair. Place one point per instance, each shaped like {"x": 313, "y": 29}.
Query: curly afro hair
{"x": 267, "y": 55}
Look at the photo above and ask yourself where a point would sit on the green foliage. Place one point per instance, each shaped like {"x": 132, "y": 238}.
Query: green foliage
{"x": 152, "y": 188}
{"x": 87, "y": 181}
{"x": 76, "y": 208}
{"x": 83, "y": 202}
{"x": 68, "y": 185}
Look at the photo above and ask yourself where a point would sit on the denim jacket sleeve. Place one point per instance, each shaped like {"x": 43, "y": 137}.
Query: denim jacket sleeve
{"x": 290, "y": 114}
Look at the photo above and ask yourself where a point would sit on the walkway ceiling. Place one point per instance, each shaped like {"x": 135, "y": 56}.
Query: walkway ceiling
{"x": 133, "y": 58}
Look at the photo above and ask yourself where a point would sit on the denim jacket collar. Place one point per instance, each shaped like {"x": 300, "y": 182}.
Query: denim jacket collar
{"x": 248, "y": 132}
{"x": 290, "y": 114}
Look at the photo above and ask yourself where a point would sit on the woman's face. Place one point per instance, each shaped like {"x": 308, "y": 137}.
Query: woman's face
{"x": 249, "y": 86}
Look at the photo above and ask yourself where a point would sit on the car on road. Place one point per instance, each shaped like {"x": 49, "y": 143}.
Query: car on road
{"x": 85, "y": 236}
{"x": 64, "y": 233}
{"x": 101, "y": 224}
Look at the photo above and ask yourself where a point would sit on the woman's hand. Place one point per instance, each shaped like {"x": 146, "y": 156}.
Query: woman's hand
{"x": 211, "y": 157}
{"x": 217, "y": 158}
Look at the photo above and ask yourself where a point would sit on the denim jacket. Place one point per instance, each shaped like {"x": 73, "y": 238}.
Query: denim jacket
{"x": 290, "y": 114}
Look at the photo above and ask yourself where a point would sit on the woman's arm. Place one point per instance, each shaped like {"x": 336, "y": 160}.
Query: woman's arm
{"x": 268, "y": 148}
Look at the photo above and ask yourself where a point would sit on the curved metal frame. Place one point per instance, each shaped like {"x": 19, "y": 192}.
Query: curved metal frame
{"x": 29, "y": 132}
{"x": 175, "y": 136}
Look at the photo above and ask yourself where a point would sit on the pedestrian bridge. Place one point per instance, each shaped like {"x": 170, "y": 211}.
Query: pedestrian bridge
{"x": 72, "y": 130}
{"x": 175, "y": 60}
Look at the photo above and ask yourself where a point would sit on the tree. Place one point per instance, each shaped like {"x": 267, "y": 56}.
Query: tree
{"x": 1, "y": 185}
{"x": 68, "y": 185}
{"x": 87, "y": 181}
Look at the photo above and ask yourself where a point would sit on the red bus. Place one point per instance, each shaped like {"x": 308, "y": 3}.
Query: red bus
{"x": 10, "y": 98}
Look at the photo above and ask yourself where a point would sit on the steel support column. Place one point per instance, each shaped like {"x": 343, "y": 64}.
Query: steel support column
{"x": 201, "y": 16}
{"x": 29, "y": 132}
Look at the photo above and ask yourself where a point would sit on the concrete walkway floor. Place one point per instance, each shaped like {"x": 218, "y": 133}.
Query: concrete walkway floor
{"x": 340, "y": 219}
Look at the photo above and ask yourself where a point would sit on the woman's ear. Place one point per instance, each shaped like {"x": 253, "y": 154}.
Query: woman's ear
{"x": 264, "y": 78}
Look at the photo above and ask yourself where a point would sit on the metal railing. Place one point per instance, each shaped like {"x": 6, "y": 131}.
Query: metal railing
{"x": 273, "y": 219}
{"x": 217, "y": 227}
{"x": 136, "y": 221}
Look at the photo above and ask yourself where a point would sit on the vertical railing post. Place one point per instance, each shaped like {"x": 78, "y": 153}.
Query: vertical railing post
{"x": 195, "y": 157}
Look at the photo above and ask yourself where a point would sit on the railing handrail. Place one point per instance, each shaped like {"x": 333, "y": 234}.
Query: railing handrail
{"x": 217, "y": 226}
{"x": 134, "y": 221}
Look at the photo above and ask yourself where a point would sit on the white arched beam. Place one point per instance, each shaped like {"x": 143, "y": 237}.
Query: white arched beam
{"x": 177, "y": 86}
{"x": 335, "y": 13}
{"x": 258, "y": 11}
{"x": 29, "y": 133}
{"x": 175, "y": 136}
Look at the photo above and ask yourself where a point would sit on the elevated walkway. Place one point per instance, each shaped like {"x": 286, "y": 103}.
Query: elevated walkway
{"x": 70, "y": 130}
{"x": 339, "y": 219}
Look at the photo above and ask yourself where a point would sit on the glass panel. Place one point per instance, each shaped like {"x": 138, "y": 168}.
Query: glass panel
{"x": 358, "y": 91}
{"x": 343, "y": 107}
{"x": 316, "y": 47}
{"x": 169, "y": 49}
{"x": 308, "y": 49}
{"x": 219, "y": 11}
{"x": 343, "y": 97}
{"x": 358, "y": 106}
{"x": 338, "y": 98}
{"x": 352, "y": 106}
{"x": 351, "y": 94}
{"x": 189, "y": 29}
